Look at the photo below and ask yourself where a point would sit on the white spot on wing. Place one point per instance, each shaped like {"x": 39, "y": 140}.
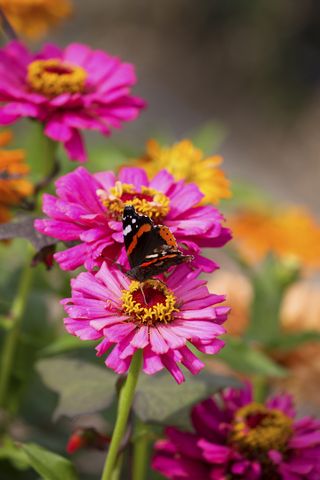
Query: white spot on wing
{"x": 127, "y": 230}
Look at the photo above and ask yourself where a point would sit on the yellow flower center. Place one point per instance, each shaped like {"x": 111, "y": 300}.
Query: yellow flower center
{"x": 149, "y": 302}
{"x": 148, "y": 202}
{"x": 53, "y": 77}
{"x": 257, "y": 429}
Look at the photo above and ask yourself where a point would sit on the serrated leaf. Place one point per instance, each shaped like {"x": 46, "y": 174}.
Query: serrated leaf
{"x": 159, "y": 398}
{"x": 48, "y": 464}
{"x": 82, "y": 387}
{"x": 245, "y": 358}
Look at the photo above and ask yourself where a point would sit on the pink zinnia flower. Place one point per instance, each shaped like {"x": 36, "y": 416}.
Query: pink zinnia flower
{"x": 236, "y": 438}
{"x": 160, "y": 320}
{"x": 89, "y": 209}
{"x": 67, "y": 90}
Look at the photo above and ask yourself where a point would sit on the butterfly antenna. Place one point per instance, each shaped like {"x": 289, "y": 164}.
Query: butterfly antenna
{"x": 144, "y": 297}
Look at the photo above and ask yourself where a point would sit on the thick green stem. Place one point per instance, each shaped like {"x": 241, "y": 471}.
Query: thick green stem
{"x": 125, "y": 401}
{"x": 141, "y": 448}
{"x": 118, "y": 467}
{"x": 12, "y": 335}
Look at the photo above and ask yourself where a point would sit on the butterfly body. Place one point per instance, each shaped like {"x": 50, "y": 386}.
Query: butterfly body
{"x": 151, "y": 249}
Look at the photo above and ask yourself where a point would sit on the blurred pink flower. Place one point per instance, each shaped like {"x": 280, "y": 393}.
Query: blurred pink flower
{"x": 239, "y": 439}
{"x": 111, "y": 308}
{"x": 88, "y": 211}
{"x": 67, "y": 91}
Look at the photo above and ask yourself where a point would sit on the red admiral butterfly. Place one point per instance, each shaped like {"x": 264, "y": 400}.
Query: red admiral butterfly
{"x": 151, "y": 248}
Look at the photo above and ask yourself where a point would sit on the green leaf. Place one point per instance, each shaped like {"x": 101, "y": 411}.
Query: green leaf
{"x": 48, "y": 464}
{"x": 82, "y": 387}
{"x": 9, "y": 451}
{"x": 245, "y": 358}
{"x": 160, "y": 400}
{"x": 290, "y": 341}
{"x": 270, "y": 283}
{"x": 64, "y": 343}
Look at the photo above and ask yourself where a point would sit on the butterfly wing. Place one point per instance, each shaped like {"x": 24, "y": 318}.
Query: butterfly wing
{"x": 137, "y": 229}
{"x": 151, "y": 249}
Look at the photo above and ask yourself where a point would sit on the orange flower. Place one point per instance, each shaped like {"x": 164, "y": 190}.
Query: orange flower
{"x": 33, "y": 18}
{"x": 291, "y": 233}
{"x": 13, "y": 186}
{"x": 187, "y": 162}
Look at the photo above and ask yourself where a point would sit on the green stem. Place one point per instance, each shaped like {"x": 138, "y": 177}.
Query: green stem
{"x": 125, "y": 401}
{"x": 140, "y": 450}
{"x": 10, "y": 342}
{"x": 118, "y": 467}
{"x": 260, "y": 388}
{"x": 50, "y": 149}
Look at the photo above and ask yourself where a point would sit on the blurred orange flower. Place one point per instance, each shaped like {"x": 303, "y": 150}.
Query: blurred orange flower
{"x": 187, "y": 162}
{"x": 292, "y": 233}
{"x": 13, "y": 186}
{"x": 301, "y": 311}
{"x": 300, "y": 308}
{"x": 33, "y": 18}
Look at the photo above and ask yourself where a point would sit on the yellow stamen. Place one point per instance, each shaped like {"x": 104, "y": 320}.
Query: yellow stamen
{"x": 148, "y": 201}
{"x": 159, "y": 307}
{"x": 258, "y": 429}
{"x": 53, "y": 77}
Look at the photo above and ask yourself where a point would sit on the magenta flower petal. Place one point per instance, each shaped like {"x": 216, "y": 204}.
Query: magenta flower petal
{"x": 64, "y": 104}
{"x": 133, "y": 176}
{"x": 89, "y": 204}
{"x": 75, "y": 147}
{"x": 229, "y": 442}
{"x": 108, "y": 306}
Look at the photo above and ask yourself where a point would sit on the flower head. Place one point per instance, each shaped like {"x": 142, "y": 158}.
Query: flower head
{"x": 33, "y": 18}
{"x": 236, "y": 438}
{"x": 291, "y": 233}
{"x": 159, "y": 318}
{"x": 67, "y": 91}
{"x": 89, "y": 209}
{"x": 186, "y": 162}
{"x": 13, "y": 185}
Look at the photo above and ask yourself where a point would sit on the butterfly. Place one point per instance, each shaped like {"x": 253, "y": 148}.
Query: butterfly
{"x": 151, "y": 249}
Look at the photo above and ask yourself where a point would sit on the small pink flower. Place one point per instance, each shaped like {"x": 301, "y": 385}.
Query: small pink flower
{"x": 67, "y": 91}
{"x": 160, "y": 320}
{"x": 88, "y": 211}
{"x": 236, "y": 438}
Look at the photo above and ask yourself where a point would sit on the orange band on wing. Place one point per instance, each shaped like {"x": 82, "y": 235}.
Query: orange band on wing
{"x": 154, "y": 260}
{"x": 167, "y": 236}
{"x": 145, "y": 228}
